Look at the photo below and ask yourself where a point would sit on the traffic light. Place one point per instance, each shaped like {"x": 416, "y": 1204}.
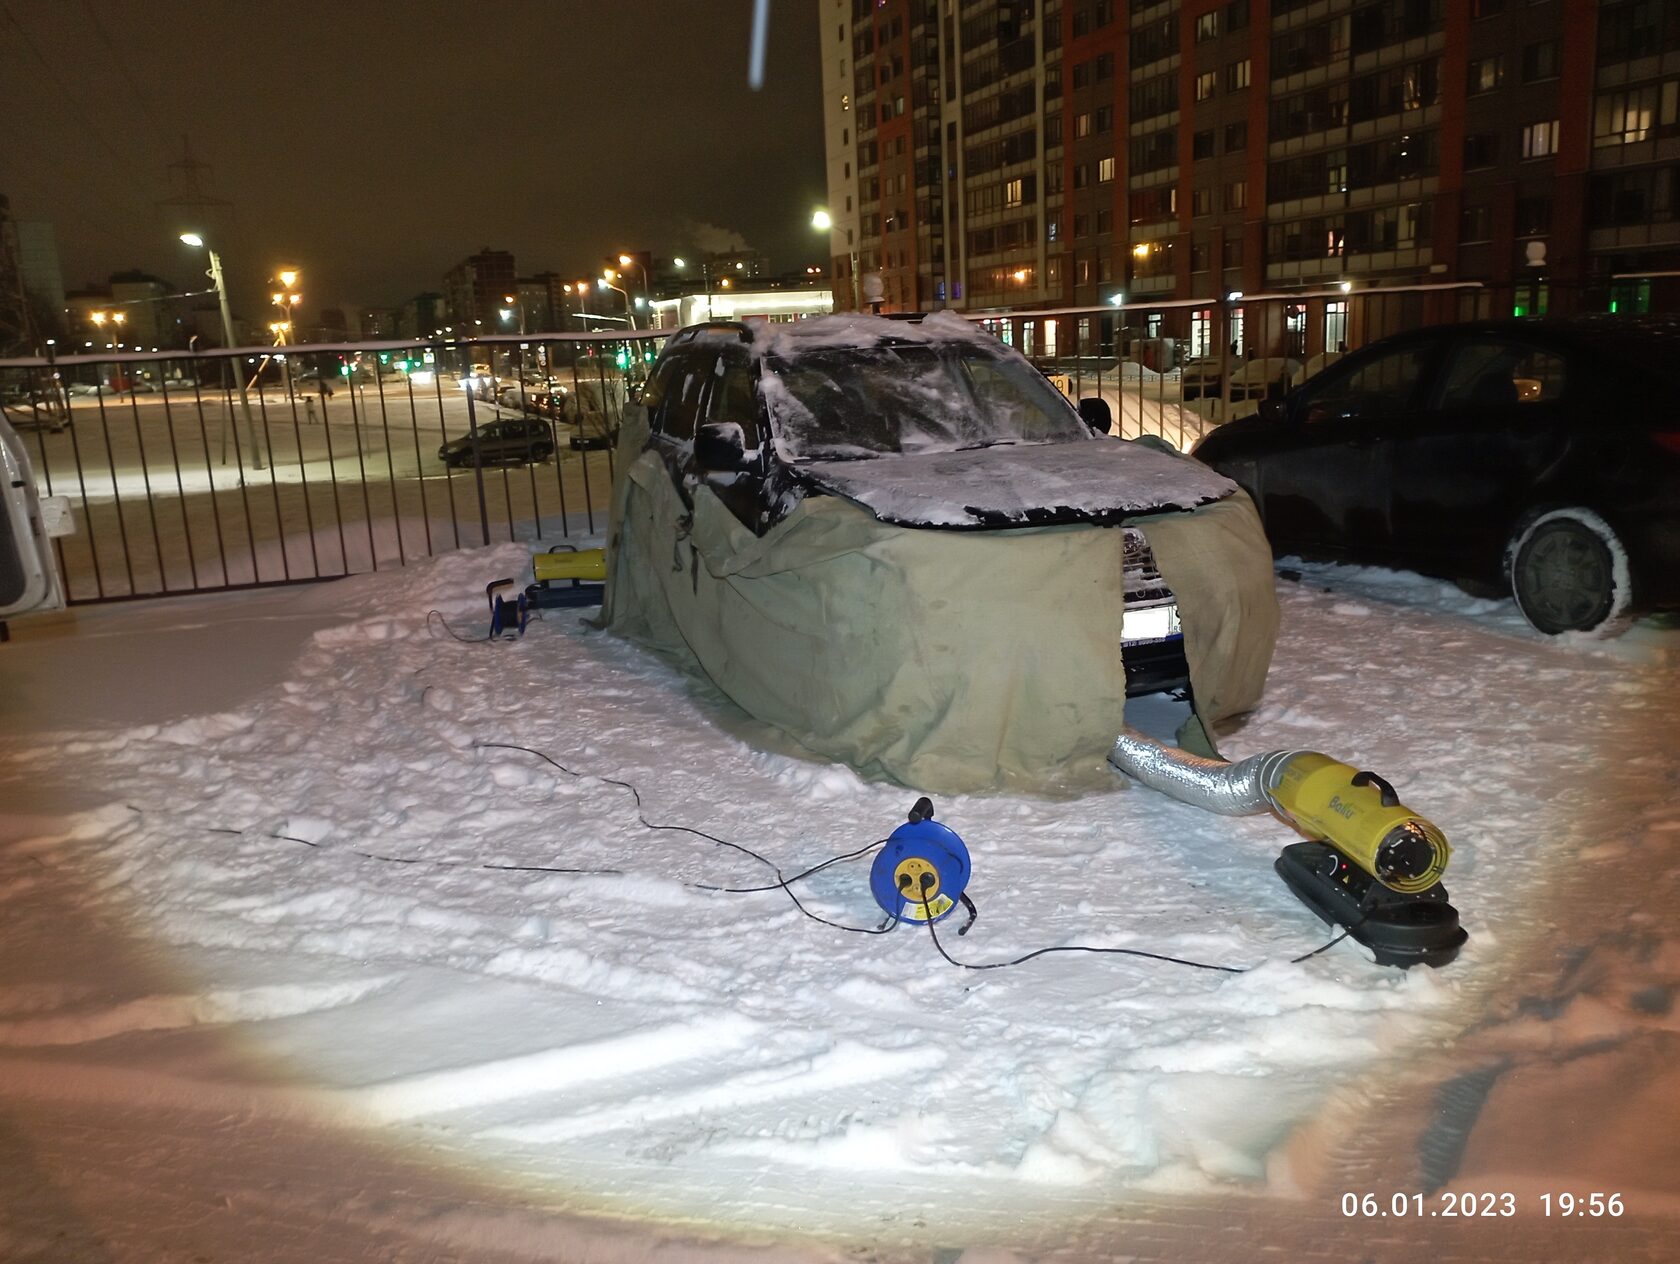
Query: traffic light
{"x": 622, "y": 358}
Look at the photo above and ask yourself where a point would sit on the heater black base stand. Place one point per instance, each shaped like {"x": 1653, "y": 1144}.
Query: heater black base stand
{"x": 1402, "y": 930}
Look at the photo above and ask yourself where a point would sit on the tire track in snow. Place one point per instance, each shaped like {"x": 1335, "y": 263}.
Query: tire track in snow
{"x": 550, "y": 1070}
{"x": 170, "y": 1013}
{"x": 845, "y": 1065}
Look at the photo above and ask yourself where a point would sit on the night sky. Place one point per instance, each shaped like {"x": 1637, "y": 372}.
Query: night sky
{"x": 376, "y": 144}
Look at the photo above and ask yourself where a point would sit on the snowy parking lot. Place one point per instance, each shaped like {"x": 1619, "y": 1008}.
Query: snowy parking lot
{"x": 301, "y": 960}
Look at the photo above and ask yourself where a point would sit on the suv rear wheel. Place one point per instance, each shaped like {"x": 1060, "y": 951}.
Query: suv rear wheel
{"x": 1569, "y": 573}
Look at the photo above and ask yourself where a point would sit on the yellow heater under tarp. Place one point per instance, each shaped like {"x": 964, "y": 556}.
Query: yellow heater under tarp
{"x": 589, "y": 565}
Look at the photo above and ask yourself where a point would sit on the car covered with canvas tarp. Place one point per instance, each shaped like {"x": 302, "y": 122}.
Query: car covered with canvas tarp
{"x": 898, "y": 543}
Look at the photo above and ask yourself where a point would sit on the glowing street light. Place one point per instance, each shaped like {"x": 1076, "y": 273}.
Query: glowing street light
{"x": 197, "y": 243}
{"x": 630, "y": 261}
{"x": 822, "y": 221}
{"x": 629, "y": 307}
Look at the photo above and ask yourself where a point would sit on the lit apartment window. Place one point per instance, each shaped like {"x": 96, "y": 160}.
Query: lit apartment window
{"x": 1236, "y": 195}
{"x": 1237, "y": 74}
{"x": 1012, "y": 192}
{"x": 1540, "y": 140}
{"x": 1207, "y": 27}
{"x": 1335, "y": 325}
{"x": 1105, "y": 170}
{"x": 1205, "y": 85}
{"x": 1485, "y": 74}
{"x": 1081, "y": 125}
{"x": 1630, "y": 116}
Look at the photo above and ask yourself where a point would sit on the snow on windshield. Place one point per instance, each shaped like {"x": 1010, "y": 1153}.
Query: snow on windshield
{"x": 903, "y": 396}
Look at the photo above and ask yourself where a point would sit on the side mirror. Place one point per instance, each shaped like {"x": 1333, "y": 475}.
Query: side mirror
{"x": 720, "y": 447}
{"x": 1274, "y": 408}
{"x": 1095, "y": 413}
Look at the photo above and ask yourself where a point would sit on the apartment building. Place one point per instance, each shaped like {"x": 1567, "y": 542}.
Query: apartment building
{"x": 476, "y": 289}
{"x": 995, "y": 154}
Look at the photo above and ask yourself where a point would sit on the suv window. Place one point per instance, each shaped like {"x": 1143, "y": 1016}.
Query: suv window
{"x": 653, "y": 394}
{"x": 734, "y": 398}
{"x": 1498, "y": 372}
{"x": 1383, "y": 387}
{"x": 680, "y": 392}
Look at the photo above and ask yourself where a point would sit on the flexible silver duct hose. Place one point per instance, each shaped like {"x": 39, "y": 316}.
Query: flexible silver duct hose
{"x": 1238, "y": 789}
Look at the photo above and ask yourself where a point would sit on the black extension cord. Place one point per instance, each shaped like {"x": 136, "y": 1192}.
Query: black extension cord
{"x": 782, "y": 882}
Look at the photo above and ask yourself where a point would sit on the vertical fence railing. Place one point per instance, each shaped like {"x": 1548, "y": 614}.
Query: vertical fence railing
{"x": 356, "y": 457}
{"x": 1176, "y": 369}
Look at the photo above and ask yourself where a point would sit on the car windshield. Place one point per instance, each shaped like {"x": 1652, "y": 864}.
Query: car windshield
{"x": 852, "y": 403}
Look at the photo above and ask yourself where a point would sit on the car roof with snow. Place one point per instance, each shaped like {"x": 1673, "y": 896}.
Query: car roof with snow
{"x": 909, "y": 437}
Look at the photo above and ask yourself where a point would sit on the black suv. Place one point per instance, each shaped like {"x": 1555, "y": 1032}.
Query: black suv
{"x": 515, "y": 439}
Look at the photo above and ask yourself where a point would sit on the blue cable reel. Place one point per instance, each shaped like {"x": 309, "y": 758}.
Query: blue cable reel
{"x": 919, "y": 875}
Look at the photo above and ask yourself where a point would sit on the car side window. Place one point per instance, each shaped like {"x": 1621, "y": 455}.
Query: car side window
{"x": 654, "y": 395}
{"x": 1381, "y": 387}
{"x": 680, "y": 406}
{"x": 1498, "y": 372}
{"x": 735, "y": 397}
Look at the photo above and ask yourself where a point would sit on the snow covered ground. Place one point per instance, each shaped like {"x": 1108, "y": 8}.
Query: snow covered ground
{"x": 227, "y": 1032}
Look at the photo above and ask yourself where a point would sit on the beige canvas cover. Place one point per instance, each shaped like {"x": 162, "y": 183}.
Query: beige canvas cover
{"x": 949, "y": 661}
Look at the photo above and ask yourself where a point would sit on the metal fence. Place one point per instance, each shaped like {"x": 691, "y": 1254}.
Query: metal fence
{"x": 189, "y": 473}
{"x": 1176, "y": 369}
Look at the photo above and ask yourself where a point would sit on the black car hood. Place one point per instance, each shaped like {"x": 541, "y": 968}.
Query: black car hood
{"x": 1099, "y": 480}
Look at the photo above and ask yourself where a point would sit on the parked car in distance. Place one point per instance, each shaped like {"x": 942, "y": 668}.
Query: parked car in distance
{"x": 1315, "y": 365}
{"x": 518, "y": 440}
{"x": 1258, "y": 378}
{"x": 1200, "y": 378}
{"x": 1541, "y": 458}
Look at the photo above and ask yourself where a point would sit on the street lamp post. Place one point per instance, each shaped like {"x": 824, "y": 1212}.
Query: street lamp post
{"x": 629, "y": 308}
{"x": 705, "y": 277}
{"x": 514, "y": 304}
{"x": 286, "y": 299}
{"x": 626, "y": 261}
{"x": 193, "y": 239}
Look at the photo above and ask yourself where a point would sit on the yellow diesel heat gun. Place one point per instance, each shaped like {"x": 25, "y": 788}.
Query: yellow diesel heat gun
{"x": 1372, "y": 865}
{"x": 1360, "y": 813}
{"x": 1376, "y": 867}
